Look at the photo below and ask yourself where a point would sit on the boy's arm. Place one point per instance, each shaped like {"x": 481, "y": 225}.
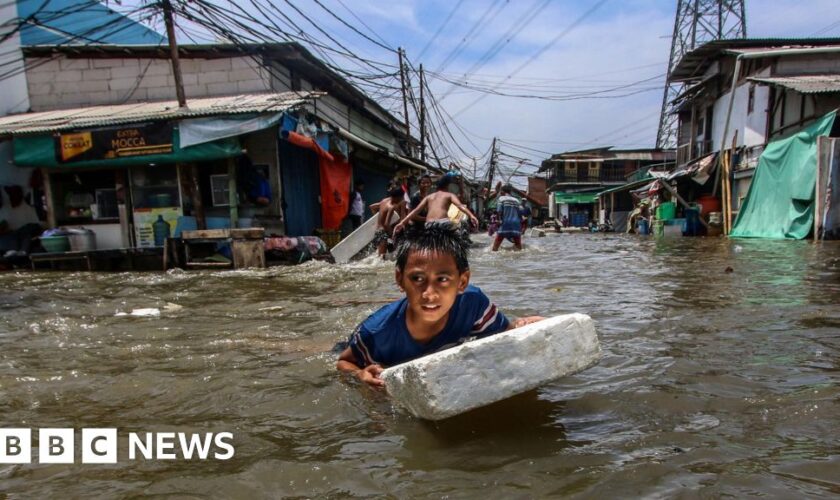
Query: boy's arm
{"x": 463, "y": 208}
{"x": 370, "y": 374}
{"x": 374, "y": 207}
{"x": 524, "y": 321}
{"x": 411, "y": 215}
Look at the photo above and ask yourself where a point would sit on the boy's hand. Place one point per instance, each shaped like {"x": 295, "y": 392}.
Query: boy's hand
{"x": 399, "y": 227}
{"x": 527, "y": 321}
{"x": 370, "y": 376}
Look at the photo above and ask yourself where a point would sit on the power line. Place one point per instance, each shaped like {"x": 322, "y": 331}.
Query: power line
{"x": 440, "y": 29}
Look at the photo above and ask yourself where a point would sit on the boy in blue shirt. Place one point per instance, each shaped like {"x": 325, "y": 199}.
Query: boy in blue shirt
{"x": 440, "y": 308}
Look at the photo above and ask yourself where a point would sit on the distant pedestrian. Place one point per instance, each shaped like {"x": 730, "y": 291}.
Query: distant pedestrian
{"x": 525, "y": 213}
{"x": 357, "y": 205}
{"x": 511, "y": 228}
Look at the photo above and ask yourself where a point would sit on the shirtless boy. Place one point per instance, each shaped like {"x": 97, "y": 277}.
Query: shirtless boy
{"x": 437, "y": 206}
{"x": 394, "y": 203}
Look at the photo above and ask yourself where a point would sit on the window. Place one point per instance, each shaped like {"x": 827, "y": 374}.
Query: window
{"x": 106, "y": 204}
{"x": 594, "y": 170}
{"x": 220, "y": 190}
{"x": 751, "y": 99}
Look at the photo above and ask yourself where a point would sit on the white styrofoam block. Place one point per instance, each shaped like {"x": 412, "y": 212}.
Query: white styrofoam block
{"x": 487, "y": 370}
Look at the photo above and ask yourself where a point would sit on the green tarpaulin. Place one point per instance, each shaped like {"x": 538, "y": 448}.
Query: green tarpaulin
{"x": 780, "y": 202}
{"x": 575, "y": 197}
{"x": 39, "y": 151}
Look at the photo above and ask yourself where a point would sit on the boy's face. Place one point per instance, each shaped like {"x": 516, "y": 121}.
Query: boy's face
{"x": 431, "y": 282}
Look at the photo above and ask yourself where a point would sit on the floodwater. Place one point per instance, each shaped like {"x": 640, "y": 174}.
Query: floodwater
{"x": 713, "y": 383}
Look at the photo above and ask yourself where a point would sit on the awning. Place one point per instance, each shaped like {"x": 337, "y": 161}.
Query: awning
{"x": 377, "y": 149}
{"x": 804, "y": 84}
{"x": 572, "y": 198}
{"x": 698, "y": 169}
{"x": 625, "y": 187}
{"x": 123, "y": 114}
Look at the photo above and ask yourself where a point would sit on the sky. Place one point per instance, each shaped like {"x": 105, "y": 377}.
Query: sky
{"x": 605, "y": 59}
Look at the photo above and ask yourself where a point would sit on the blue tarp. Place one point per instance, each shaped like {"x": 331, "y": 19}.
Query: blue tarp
{"x": 80, "y": 22}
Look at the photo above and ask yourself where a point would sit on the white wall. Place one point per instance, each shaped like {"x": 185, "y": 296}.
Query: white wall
{"x": 750, "y": 126}
{"x": 69, "y": 83}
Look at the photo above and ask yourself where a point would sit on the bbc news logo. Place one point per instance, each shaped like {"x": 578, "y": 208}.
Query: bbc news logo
{"x": 99, "y": 446}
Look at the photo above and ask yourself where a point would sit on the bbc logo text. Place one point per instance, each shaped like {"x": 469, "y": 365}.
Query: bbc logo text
{"x": 100, "y": 446}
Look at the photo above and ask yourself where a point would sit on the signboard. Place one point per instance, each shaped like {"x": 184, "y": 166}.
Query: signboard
{"x": 110, "y": 143}
{"x": 571, "y": 198}
{"x": 144, "y": 224}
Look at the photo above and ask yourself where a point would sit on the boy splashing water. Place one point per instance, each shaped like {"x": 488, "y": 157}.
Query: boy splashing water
{"x": 440, "y": 308}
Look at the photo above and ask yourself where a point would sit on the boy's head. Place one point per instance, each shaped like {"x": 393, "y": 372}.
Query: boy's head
{"x": 396, "y": 194}
{"x": 443, "y": 183}
{"x": 425, "y": 182}
{"x": 507, "y": 188}
{"x": 359, "y": 185}
{"x": 432, "y": 269}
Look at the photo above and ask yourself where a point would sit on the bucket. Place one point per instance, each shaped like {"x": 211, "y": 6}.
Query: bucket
{"x": 54, "y": 244}
{"x": 666, "y": 211}
{"x": 82, "y": 240}
{"x": 642, "y": 226}
{"x": 692, "y": 221}
{"x": 709, "y": 204}
{"x": 715, "y": 218}
{"x": 658, "y": 228}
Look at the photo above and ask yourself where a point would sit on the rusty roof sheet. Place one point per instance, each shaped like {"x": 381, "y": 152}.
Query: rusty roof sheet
{"x": 103, "y": 116}
{"x": 804, "y": 84}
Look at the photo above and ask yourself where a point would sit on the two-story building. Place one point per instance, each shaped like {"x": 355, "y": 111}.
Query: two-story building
{"x": 576, "y": 177}
{"x": 742, "y": 95}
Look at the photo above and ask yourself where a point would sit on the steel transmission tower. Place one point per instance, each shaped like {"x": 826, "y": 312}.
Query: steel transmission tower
{"x": 696, "y": 22}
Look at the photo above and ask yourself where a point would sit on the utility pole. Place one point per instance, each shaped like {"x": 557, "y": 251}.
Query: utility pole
{"x": 490, "y": 175}
{"x": 173, "y": 53}
{"x": 422, "y": 117}
{"x": 400, "y": 53}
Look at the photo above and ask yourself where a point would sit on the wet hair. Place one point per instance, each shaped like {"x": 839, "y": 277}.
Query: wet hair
{"x": 396, "y": 192}
{"x": 441, "y": 238}
{"x": 443, "y": 182}
{"x": 507, "y": 188}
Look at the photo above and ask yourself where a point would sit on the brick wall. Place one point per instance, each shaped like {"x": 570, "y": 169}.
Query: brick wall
{"x": 62, "y": 83}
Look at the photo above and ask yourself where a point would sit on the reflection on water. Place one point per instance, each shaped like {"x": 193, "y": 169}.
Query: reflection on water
{"x": 714, "y": 382}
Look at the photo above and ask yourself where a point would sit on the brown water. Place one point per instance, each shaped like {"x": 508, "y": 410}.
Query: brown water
{"x": 711, "y": 384}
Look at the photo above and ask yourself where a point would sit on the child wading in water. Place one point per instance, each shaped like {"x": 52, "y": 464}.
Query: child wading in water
{"x": 437, "y": 206}
{"x": 394, "y": 203}
{"x": 440, "y": 308}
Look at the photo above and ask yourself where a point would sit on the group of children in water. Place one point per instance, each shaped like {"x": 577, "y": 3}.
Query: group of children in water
{"x": 440, "y": 308}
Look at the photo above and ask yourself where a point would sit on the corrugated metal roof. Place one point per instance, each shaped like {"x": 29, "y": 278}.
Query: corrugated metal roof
{"x": 693, "y": 64}
{"x": 804, "y": 84}
{"x": 102, "y": 116}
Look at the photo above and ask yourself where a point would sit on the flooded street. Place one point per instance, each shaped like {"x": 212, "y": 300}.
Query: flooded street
{"x": 712, "y": 382}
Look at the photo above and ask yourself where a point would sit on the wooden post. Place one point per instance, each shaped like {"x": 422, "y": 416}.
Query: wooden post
{"x": 198, "y": 203}
{"x": 822, "y": 142}
{"x": 48, "y": 194}
{"x": 234, "y": 202}
{"x": 173, "y": 53}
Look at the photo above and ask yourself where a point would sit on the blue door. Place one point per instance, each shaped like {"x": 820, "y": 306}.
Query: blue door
{"x": 301, "y": 188}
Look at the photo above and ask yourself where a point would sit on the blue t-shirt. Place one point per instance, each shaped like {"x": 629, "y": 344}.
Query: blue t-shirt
{"x": 383, "y": 338}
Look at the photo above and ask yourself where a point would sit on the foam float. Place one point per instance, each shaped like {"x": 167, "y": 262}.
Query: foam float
{"x": 477, "y": 373}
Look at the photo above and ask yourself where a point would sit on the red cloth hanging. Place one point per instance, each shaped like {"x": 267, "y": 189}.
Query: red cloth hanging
{"x": 335, "y": 175}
